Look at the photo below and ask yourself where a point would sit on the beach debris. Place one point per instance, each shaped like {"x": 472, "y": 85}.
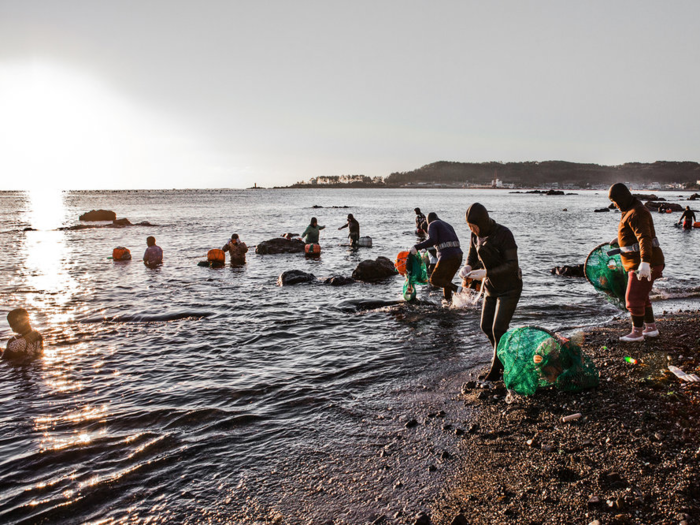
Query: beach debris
{"x": 571, "y": 417}
{"x": 294, "y": 277}
{"x": 691, "y": 378}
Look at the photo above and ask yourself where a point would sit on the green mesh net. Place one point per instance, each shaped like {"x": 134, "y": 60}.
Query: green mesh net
{"x": 606, "y": 273}
{"x": 416, "y": 273}
{"x": 533, "y": 357}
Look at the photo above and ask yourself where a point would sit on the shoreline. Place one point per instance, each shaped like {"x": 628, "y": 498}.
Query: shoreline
{"x": 632, "y": 458}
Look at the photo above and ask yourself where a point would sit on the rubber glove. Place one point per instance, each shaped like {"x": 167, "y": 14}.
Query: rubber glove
{"x": 413, "y": 250}
{"x": 613, "y": 242}
{"x": 477, "y": 275}
{"x": 644, "y": 271}
{"x": 464, "y": 271}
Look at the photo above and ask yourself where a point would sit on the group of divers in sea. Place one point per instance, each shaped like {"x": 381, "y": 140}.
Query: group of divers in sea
{"x": 492, "y": 261}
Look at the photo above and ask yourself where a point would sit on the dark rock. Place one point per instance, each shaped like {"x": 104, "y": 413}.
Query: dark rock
{"x": 694, "y": 196}
{"x": 569, "y": 271}
{"x": 377, "y": 270}
{"x": 29, "y": 230}
{"x": 121, "y": 222}
{"x": 339, "y": 280}
{"x": 459, "y": 519}
{"x": 483, "y": 395}
{"x": 459, "y": 432}
{"x": 601, "y": 210}
{"x": 422, "y": 519}
{"x": 294, "y": 277}
{"x": 280, "y": 245}
{"x": 411, "y": 423}
{"x": 98, "y": 215}
{"x": 445, "y": 455}
{"x": 473, "y": 428}
{"x": 469, "y": 385}
{"x": 432, "y": 468}
{"x": 652, "y": 205}
{"x": 447, "y": 426}
{"x": 647, "y": 197}
{"x": 554, "y": 192}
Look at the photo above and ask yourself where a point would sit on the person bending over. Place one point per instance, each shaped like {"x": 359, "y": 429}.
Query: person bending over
{"x": 442, "y": 236}
{"x": 353, "y": 230}
{"x": 312, "y": 231}
{"x": 237, "y": 250}
{"x": 493, "y": 260}
{"x": 153, "y": 256}
{"x": 641, "y": 257}
{"x": 28, "y": 344}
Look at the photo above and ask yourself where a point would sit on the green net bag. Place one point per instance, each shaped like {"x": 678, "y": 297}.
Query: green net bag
{"x": 606, "y": 273}
{"x": 416, "y": 273}
{"x": 533, "y": 357}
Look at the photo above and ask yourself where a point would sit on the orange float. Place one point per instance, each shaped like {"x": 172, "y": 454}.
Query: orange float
{"x": 216, "y": 256}
{"x": 312, "y": 249}
{"x": 121, "y": 254}
{"x": 696, "y": 225}
{"x": 400, "y": 263}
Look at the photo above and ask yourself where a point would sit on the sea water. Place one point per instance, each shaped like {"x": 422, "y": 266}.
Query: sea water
{"x": 191, "y": 394}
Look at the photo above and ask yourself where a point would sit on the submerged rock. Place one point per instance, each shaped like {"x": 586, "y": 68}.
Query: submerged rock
{"x": 280, "y": 245}
{"x": 339, "y": 280}
{"x": 294, "y": 277}
{"x": 601, "y": 210}
{"x": 98, "y": 215}
{"x": 376, "y": 270}
{"x": 569, "y": 271}
{"x": 121, "y": 222}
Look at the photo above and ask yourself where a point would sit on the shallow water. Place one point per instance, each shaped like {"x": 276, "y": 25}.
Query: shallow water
{"x": 195, "y": 394}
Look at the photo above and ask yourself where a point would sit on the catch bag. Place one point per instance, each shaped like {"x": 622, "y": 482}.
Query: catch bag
{"x": 604, "y": 270}
{"x": 534, "y": 357}
{"x": 414, "y": 269}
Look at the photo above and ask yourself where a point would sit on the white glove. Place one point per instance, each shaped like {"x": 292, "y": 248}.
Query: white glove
{"x": 477, "y": 275}
{"x": 644, "y": 271}
{"x": 413, "y": 250}
{"x": 464, "y": 271}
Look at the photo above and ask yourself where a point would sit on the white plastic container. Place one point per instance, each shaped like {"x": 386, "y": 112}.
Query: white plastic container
{"x": 365, "y": 242}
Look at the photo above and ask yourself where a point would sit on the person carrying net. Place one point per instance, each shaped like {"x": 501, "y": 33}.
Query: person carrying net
{"x": 493, "y": 260}
{"x": 642, "y": 258}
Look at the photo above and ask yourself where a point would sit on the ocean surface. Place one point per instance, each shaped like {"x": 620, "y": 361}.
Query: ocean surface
{"x": 191, "y": 394}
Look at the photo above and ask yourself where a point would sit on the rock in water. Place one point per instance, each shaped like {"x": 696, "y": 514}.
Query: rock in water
{"x": 339, "y": 280}
{"x": 294, "y": 277}
{"x": 569, "y": 271}
{"x": 98, "y": 215}
{"x": 122, "y": 222}
{"x": 601, "y": 210}
{"x": 280, "y": 245}
{"x": 377, "y": 270}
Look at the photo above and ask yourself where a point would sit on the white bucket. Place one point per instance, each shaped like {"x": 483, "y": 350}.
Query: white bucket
{"x": 365, "y": 242}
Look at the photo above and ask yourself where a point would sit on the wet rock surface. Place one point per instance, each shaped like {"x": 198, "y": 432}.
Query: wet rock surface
{"x": 339, "y": 280}
{"x": 98, "y": 215}
{"x": 280, "y": 245}
{"x": 294, "y": 277}
{"x": 655, "y": 205}
{"x": 116, "y": 223}
{"x": 376, "y": 270}
{"x": 569, "y": 271}
{"x": 633, "y": 457}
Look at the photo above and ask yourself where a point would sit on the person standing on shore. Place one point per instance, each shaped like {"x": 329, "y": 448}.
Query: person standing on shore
{"x": 236, "y": 249}
{"x": 153, "y": 256}
{"x": 353, "y": 229}
{"x": 312, "y": 231}
{"x": 493, "y": 260}
{"x": 687, "y": 219}
{"x": 641, "y": 257}
{"x": 442, "y": 236}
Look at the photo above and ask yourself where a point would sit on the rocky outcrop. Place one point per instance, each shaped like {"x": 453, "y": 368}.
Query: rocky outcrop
{"x": 294, "y": 277}
{"x": 339, "y": 280}
{"x": 694, "y": 196}
{"x": 118, "y": 223}
{"x": 280, "y": 245}
{"x": 600, "y": 210}
{"x": 98, "y": 215}
{"x": 647, "y": 197}
{"x": 655, "y": 205}
{"x": 370, "y": 271}
{"x": 122, "y": 222}
{"x": 569, "y": 271}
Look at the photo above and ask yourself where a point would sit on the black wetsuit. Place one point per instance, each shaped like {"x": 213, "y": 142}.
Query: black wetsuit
{"x": 688, "y": 217}
{"x": 354, "y": 230}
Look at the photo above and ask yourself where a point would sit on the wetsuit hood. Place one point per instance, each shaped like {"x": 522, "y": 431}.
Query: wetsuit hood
{"x": 620, "y": 195}
{"x": 432, "y": 216}
{"x": 477, "y": 214}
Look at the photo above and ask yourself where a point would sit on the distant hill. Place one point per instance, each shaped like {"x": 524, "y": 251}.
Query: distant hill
{"x": 548, "y": 172}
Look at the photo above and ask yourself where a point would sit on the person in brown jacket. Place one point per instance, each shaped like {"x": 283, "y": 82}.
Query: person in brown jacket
{"x": 237, "y": 250}
{"x": 642, "y": 258}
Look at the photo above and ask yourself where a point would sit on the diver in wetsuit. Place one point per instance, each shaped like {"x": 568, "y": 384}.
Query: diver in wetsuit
{"x": 687, "y": 219}
{"x": 353, "y": 229}
{"x": 493, "y": 260}
{"x": 421, "y": 225}
{"x": 442, "y": 236}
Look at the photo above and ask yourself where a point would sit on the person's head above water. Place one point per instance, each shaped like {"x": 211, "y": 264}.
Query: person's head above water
{"x": 350, "y": 217}
{"x": 621, "y": 196}
{"x": 314, "y": 221}
{"x": 151, "y": 241}
{"x": 417, "y": 210}
{"x": 18, "y": 319}
{"x": 432, "y": 216}
{"x": 478, "y": 219}
{"x": 234, "y": 237}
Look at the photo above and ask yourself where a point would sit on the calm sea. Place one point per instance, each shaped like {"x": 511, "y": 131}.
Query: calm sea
{"x": 190, "y": 394}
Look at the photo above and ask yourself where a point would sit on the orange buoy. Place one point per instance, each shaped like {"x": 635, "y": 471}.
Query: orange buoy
{"x": 312, "y": 249}
{"x": 696, "y": 225}
{"x": 400, "y": 263}
{"x": 121, "y": 254}
{"x": 669, "y": 211}
{"x": 216, "y": 256}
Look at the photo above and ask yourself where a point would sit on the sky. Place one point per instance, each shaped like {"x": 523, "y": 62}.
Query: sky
{"x": 230, "y": 93}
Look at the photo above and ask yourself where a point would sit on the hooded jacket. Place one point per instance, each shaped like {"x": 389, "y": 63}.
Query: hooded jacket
{"x": 636, "y": 229}
{"x": 494, "y": 249}
{"x": 443, "y": 237}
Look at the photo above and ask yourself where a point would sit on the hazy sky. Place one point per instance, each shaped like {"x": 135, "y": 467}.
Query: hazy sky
{"x": 162, "y": 94}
